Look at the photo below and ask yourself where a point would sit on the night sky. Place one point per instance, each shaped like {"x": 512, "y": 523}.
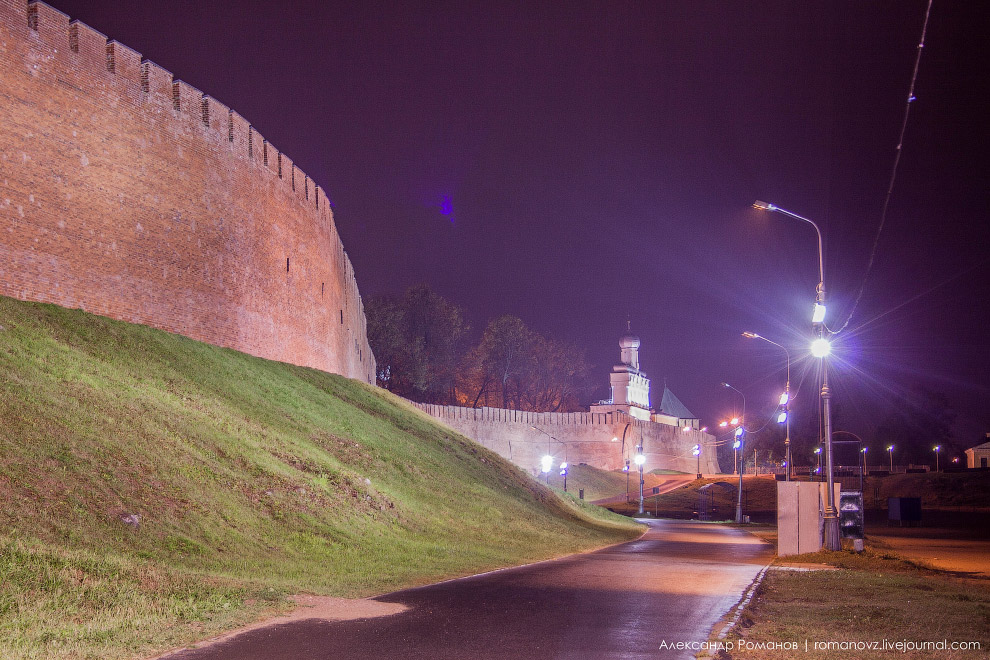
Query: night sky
{"x": 579, "y": 164}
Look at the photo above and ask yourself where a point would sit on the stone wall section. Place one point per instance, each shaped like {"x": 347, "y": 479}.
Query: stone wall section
{"x": 131, "y": 194}
{"x": 578, "y": 437}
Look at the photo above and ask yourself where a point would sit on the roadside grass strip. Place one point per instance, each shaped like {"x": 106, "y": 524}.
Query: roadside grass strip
{"x": 876, "y": 605}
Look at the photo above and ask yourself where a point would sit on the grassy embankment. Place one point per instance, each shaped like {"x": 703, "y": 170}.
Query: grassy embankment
{"x": 252, "y": 480}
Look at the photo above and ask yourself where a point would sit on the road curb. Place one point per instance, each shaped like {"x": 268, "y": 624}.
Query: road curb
{"x": 731, "y": 618}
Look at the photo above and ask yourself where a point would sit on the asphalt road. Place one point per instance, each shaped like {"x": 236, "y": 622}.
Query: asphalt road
{"x": 626, "y": 601}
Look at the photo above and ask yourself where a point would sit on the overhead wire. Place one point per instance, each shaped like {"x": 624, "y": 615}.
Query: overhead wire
{"x": 893, "y": 173}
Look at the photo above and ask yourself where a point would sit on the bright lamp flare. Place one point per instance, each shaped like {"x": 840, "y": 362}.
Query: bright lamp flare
{"x": 783, "y": 399}
{"x": 818, "y": 315}
{"x": 781, "y": 417}
{"x": 547, "y": 463}
{"x": 820, "y": 348}
{"x": 640, "y": 459}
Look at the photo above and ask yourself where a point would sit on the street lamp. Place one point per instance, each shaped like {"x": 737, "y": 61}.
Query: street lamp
{"x": 785, "y": 401}
{"x": 861, "y": 474}
{"x": 547, "y": 461}
{"x": 739, "y": 441}
{"x": 890, "y": 450}
{"x": 697, "y": 452}
{"x": 547, "y": 465}
{"x": 640, "y": 459}
{"x": 936, "y": 449}
{"x": 820, "y": 350}
{"x": 818, "y": 470}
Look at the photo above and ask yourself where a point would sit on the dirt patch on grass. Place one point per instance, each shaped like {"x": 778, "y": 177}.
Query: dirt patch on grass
{"x": 325, "y": 608}
{"x": 962, "y": 557}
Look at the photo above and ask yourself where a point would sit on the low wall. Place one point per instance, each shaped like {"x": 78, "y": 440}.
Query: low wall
{"x": 602, "y": 440}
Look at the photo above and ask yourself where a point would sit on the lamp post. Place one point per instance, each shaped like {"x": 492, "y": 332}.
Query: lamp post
{"x": 890, "y": 450}
{"x": 740, "y": 431}
{"x": 697, "y": 452}
{"x": 626, "y": 457}
{"x": 547, "y": 461}
{"x": 936, "y": 449}
{"x": 863, "y": 472}
{"x": 818, "y": 470}
{"x": 820, "y": 350}
{"x": 640, "y": 459}
{"x": 785, "y": 400}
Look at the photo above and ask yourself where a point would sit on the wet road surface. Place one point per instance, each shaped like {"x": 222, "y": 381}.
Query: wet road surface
{"x": 672, "y": 585}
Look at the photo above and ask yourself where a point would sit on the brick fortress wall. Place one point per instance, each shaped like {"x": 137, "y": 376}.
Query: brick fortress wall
{"x": 525, "y": 437}
{"x": 130, "y": 194}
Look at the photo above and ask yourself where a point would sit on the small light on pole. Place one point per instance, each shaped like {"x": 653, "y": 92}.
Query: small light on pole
{"x": 784, "y": 416}
{"x": 890, "y": 450}
{"x": 936, "y": 449}
{"x": 697, "y": 452}
{"x": 546, "y": 463}
{"x": 862, "y": 474}
{"x": 640, "y": 460}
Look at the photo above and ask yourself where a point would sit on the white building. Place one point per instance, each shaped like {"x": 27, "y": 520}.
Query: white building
{"x": 630, "y": 386}
{"x": 978, "y": 456}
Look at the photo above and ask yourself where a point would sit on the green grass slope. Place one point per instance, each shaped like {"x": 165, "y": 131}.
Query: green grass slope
{"x": 599, "y": 484}
{"x": 251, "y": 479}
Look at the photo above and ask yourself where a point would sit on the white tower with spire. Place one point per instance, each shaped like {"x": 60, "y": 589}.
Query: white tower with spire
{"x": 630, "y": 386}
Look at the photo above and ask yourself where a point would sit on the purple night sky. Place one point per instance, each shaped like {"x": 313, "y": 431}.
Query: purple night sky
{"x": 581, "y": 163}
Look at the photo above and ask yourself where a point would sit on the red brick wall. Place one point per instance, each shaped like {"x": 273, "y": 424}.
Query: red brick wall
{"x": 129, "y": 194}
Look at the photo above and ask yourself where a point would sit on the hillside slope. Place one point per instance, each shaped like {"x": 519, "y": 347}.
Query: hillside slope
{"x": 156, "y": 490}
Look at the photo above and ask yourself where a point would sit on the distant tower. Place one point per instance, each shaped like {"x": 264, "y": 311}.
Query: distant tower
{"x": 630, "y": 386}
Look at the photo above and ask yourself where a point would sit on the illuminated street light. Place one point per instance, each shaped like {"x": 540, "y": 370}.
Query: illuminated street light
{"x": 547, "y": 460}
{"x": 890, "y": 450}
{"x": 739, "y": 441}
{"x": 734, "y": 421}
{"x": 697, "y": 452}
{"x": 936, "y": 449}
{"x": 821, "y": 348}
{"x": 784, "y": 417}
{"x": 863, "y": 451}
{"x": 547, "y": 464}
{"x": 831, "y": 520}
{"x": 640, "y": 459}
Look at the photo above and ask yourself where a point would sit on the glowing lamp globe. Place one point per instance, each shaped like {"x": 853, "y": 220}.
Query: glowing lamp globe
{"x": 820, "y": 348}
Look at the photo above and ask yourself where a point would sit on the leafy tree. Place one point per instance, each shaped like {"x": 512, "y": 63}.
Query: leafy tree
{"x": 515, "y": 367}
{"x": 507, "y": 352}
{"x": 418, "y": 341}
{"x": 559, "y": 376}
{"x": 420, "y": 344}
